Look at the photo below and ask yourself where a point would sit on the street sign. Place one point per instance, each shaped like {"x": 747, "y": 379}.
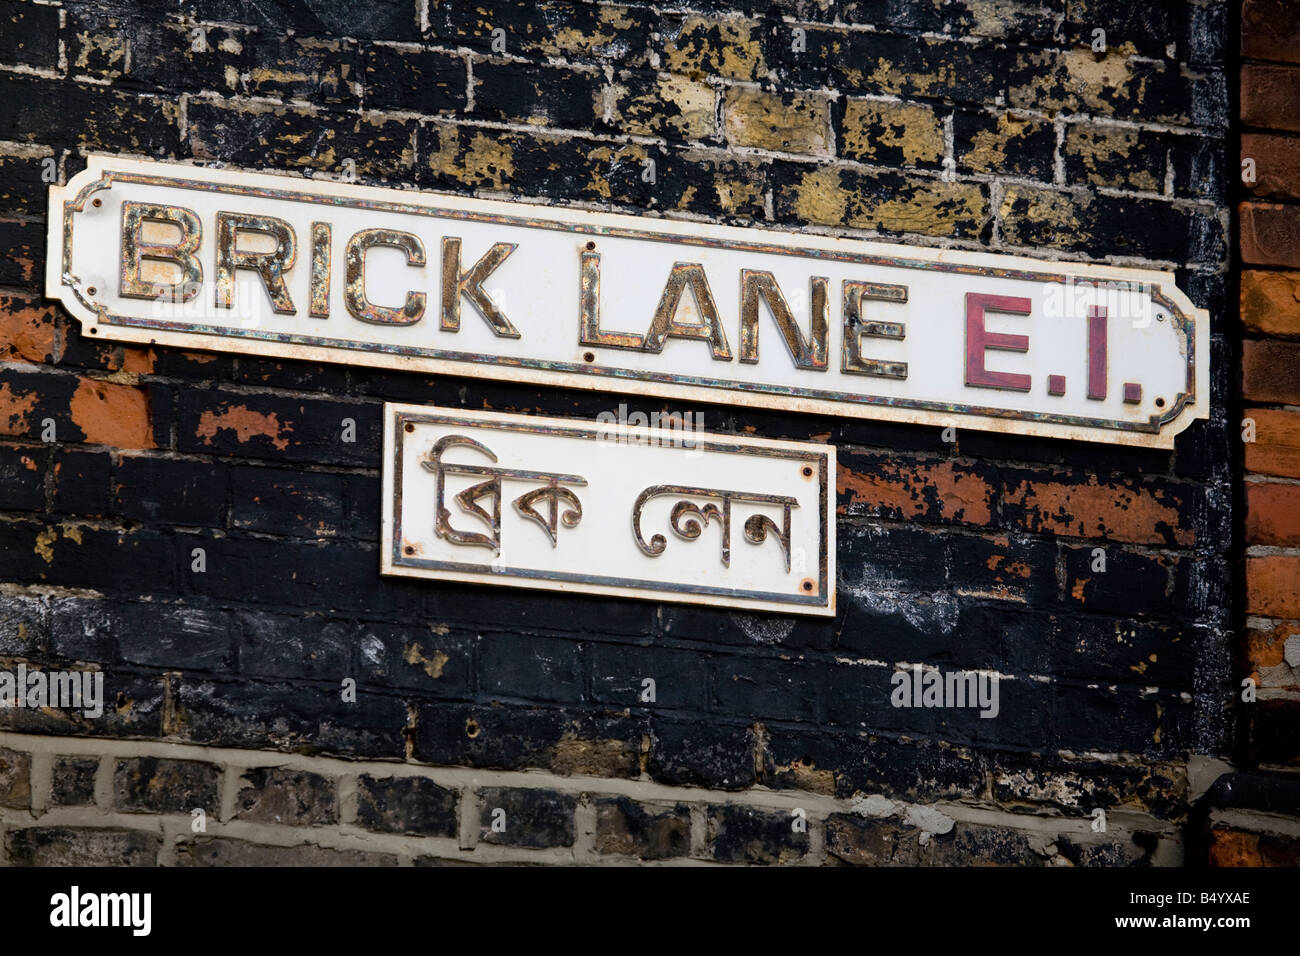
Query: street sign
{"x": 667, "y": 513}
{"x": 302, "y": 268}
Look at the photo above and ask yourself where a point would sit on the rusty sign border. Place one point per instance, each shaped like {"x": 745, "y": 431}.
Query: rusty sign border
{"x": 394, "y": 562}
{"x": 1189, "y": 322}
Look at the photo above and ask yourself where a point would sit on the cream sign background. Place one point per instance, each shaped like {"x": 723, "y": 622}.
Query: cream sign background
{"x": 281, "y": 266}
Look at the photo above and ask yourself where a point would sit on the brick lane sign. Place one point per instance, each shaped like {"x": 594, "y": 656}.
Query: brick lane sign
{"x": 609, "y": 508}
{"x": 289, "y": 267}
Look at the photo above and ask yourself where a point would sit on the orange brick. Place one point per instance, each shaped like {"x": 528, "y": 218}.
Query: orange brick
{"x": 1270, "y": 30}
{"x": 1272, "y": 514}
{"x": 1276, "y": 448}
{"x": 1270, "y": 302}
{"x": 1270, "y": 96}
{"x": 1273, "y": 585}
{"x": 1268, "y": 371}
{"x": 1277, "y": 164}
{"x": 111, "y": 414}
{"x": 1270, "y": 234}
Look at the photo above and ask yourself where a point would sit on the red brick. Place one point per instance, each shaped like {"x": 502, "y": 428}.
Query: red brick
{"x": 1277, "y": 164}
{"x": 1270, "y": 234}
{"x": 1270, "y": 30}
{"x": 1270, "y": 302}
{"x": 1272, "y": 513}
{"x": 1273, "y": 585}
{"x": 1270, "y": 96}
{"x": 1276, "y": 448}
{"x": 1268, "y": 371}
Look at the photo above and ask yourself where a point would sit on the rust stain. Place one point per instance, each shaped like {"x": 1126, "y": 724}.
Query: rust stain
{"x": 111, "y": 414}
{"x": 246, "y": 424}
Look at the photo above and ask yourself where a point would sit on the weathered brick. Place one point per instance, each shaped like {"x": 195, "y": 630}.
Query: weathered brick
{"x": 24, "y": 180}
{"x": 1268, "y": 371}
{"x": 277, "y": 428}
{"x": 885, "y": 201}
{"x": 1115, "y": 156}
{"x": 550, "y": 28}
{"x": 1270, "y": 234}
{"x": 541, "y": 668}
{"x": 1273, "y": 585}
{"x": 1276, "y": 448}
{"x": 699, "y": 46}
{"x": 1005, "y": 143}
{"x": 423, "y": 81}
{"x": 529, "y": 818}
{"x": 287, "y": 716}
{"x": 258, "y": 135}
{"x": 27, "y": 330}
{"x": 1269, "y": 29}
{"x": 1084, "y": 221}
{"x": 1270, "y": 96}
{"x": 29, "y": 34}
{"x": 72, "y": 783}
{"x": 879, "y": 485}
{"x": 22, "y": 481}
{"x": 1135, "y": 512}
{"x": 645, "y": 830}
{"x": 1270, "y": 302}
{"x": 863, "y": 841}
{"x": 19, "y": 251}
{"x": 702, "y": 753}
{"x": 1272, "y": 513}
{"x": 1079, "y": 81}
{"x": 157, "y": 785}
{"x": 286, "y": 796}
{"x": 15, "y": 778}
{"x": 619, "y": 674}
{"x": 223, "y": 851}
{"x": 170, "y": 490}
{"x": 787, "y": 122}
{"x": 1277, "y": 164}
{"x": 1233, "y": 847}
{"x": 284, "y": 501}
{"x": 82, "y": 846}
{"x": 511, "y": 92}
{"x": 81, "y": 480}
{"x": 660, "y": 104}
{"x": 88, "y": 116}
{"x": 407, "y": 805}
{"x": 741, "y": 834}
{"x": 888, "y": 133}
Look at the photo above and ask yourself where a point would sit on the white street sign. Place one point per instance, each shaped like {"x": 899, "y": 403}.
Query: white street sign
{"x": 284, "y": 266}
{"x": 666, "y": 513}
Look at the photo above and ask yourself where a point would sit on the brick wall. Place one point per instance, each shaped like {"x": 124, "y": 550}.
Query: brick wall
{"x": 1269, "y": 229}
{"x": 964, "y": 124}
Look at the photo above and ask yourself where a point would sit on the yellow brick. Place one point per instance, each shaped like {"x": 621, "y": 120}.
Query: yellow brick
{"x": 796, "y": 123}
